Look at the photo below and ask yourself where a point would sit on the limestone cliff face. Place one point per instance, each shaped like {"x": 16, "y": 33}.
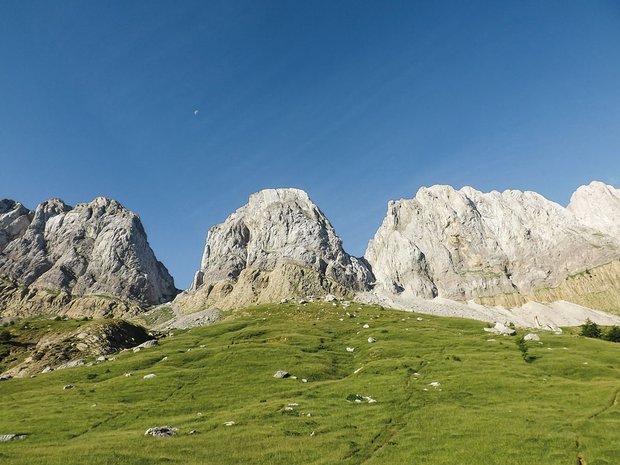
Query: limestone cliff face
{"x": 465, "y": 244}
{"x": 278, "y": 245}
{"x": 597, "y": 288}
{"x": 98, "y": 248}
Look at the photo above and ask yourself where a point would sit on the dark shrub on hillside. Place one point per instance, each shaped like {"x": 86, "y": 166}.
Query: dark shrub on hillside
{"x": 5, "y": 335}
{"x": 591, "y": 329}
{"x": 613, "y": 334}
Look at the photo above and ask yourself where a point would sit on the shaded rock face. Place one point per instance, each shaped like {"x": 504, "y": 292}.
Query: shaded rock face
{"x": 465, "y": 244}
{"x": 278, "y": 244}
{"x": 95, "y": 248}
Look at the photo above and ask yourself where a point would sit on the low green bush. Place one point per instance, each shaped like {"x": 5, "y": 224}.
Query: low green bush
{"x": 591, "y": 329}
{"x": 613, "y": 334}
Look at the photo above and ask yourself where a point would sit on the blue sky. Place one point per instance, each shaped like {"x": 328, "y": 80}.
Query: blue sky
{"x": 356, "y": 102}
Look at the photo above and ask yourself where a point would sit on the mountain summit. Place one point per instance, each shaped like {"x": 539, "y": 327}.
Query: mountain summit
{"x": 276, "y": 246}
{"x": 96, "y": 248}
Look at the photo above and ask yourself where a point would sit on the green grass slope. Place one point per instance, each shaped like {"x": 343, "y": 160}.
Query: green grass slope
{"x": 491, "y": 407}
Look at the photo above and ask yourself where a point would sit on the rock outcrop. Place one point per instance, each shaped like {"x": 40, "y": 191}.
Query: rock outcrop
{"x": 97, "y": 249}
{"x": 278, "y": 245}
{"x": 465, "y": 244}
{"x": 65, "y": 349}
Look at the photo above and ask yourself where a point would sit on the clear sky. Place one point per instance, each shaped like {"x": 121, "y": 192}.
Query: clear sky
{"x": 355, "y": 102}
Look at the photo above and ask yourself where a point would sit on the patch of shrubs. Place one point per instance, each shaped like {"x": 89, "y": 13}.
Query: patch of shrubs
{"x": 524, "y": 352}
{"x": 613, "y": 334}
{"x": 591, "y": 329}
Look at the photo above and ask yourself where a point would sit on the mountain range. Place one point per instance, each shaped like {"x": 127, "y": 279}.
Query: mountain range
{"x": 461, "y": 250}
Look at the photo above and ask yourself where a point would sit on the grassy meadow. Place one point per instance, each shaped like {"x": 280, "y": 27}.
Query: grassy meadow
{"x": 491, "y": 406}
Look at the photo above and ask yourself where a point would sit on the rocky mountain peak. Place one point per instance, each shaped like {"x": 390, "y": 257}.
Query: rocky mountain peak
{"x": 285, "y": 195}
{"x": 14, "y": 220}
{"x": 6, "y": 205}
{"x": 597, "y": 205}
{"x": 277, "y": 245}
{"x": 48, "y": 209}
{"x": 98, "y": 247}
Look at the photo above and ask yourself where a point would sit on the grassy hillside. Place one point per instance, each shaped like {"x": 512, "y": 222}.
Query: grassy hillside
{"x": 491, "y": 406}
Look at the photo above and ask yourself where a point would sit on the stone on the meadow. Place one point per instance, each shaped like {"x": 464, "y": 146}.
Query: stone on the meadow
{"x": 281, "y": 374}
{"x": 11, "y": 437}
{"x": 502, "y": 329}
{"x": 71, "y": 364}
{"x": 161, "y": 431}
{"x": 148, "y": 344}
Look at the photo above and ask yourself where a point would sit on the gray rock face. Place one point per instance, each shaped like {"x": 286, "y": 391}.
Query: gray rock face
{"x": 95, "y": 248}
{"x": 278, "y": 241}
{"x": 14, "y": 220}
{"x": 464, "y": 244}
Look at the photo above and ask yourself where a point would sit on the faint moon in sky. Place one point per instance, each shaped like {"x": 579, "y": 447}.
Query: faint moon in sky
{"x": 195, "y": 112}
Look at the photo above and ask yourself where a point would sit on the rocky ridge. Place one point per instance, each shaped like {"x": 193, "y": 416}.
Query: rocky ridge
{"x": 466, "y": 250}
{"x": 498, "y": 249}
{"x": 501, "y": 248}
{"x": 97, "y": 250}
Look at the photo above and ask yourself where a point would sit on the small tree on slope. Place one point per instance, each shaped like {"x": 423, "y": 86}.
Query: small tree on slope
{"x": 591, "y": 329}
